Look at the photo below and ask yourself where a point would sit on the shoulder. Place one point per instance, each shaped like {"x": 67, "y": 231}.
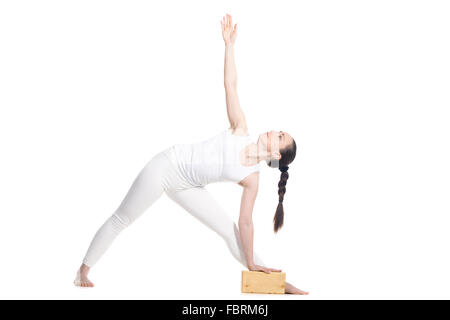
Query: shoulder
{"x": 251, "y": 181}
{"x": 238, "y": 131}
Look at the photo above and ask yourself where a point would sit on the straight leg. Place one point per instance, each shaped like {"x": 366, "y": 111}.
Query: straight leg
{"x": 145, "y": 190}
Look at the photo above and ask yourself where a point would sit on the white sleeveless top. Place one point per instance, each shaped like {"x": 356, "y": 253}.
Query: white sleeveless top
{"x": 213, "y": 160}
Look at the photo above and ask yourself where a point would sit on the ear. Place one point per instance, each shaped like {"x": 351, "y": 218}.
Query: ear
{"x": 276, "y": 155}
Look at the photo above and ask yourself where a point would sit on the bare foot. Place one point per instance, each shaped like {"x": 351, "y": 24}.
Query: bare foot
{"x": 290, "y": 289}
{"x": 81, "y": 279}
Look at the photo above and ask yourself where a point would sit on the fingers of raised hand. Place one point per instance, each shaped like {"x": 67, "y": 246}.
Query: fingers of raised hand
{"x": 227, "y": 22}
{"x": 224, "y": 24}
{"x": 230, "y": 22}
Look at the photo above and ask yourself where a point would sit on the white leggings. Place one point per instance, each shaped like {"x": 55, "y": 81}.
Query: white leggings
{"x": 160, "y": 175}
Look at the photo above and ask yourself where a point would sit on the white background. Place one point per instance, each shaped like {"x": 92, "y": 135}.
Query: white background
{"x": 90, "y": 90}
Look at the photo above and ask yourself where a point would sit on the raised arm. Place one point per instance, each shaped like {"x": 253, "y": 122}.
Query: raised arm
{"x": 235, "y": 114}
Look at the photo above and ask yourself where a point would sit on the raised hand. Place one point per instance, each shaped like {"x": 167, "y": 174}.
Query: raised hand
{"x": 228, "y": 31}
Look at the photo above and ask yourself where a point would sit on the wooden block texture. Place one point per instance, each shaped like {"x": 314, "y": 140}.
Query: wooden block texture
{"x": 261, "y": 282}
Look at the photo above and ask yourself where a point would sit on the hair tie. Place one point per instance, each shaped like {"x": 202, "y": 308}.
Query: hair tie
{"x": 284, "y": 169}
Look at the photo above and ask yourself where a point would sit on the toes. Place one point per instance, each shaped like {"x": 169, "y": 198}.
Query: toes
{"x": 83, "y": 283}
{"x": 86, "y": 284}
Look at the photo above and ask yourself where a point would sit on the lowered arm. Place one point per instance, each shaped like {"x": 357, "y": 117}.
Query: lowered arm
{"x": 250, "y": 185}
{"x": 249, "y": 193}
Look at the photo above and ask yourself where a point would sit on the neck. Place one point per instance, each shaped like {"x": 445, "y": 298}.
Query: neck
{"x": 256, "y": 154}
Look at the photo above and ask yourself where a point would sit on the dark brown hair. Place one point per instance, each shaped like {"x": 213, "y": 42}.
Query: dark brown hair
{"x": 287, "y": 156}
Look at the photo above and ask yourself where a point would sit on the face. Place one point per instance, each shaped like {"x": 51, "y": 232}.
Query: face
{"x": 274, "y": 141}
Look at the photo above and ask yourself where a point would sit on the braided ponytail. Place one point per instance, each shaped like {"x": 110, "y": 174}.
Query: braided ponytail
{"x": 287, "y": 156}
{"x": 279, "y": 213}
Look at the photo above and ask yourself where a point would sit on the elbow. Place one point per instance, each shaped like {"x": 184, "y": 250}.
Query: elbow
{"x": 230, "y": 85}
{"x": 245, "y": 222}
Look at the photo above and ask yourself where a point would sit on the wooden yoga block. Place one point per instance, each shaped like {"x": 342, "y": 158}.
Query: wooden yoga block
{"x": 261, "y": 282}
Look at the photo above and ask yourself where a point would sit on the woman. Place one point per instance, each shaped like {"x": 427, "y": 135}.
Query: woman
{"x": 182, "y": 171}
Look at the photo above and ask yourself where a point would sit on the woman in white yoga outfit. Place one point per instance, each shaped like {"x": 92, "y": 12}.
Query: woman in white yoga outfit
{"x": 183, "y": 170}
